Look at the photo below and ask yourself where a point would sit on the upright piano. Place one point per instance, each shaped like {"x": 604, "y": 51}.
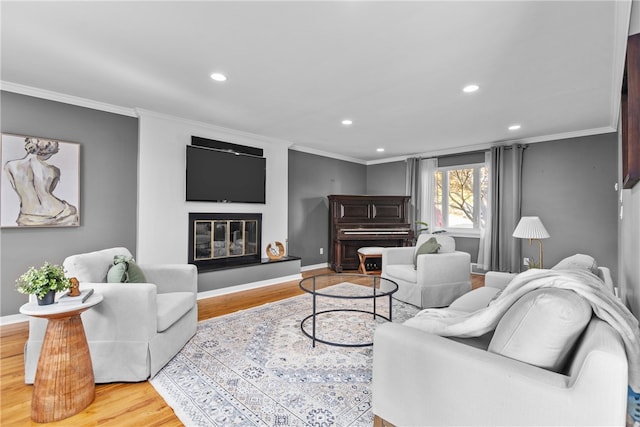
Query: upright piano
{"x": 358, "y": 221}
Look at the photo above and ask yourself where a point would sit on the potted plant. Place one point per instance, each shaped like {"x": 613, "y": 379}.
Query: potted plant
{"x": 423, "y": 227}
{"x": 43, "y": 282}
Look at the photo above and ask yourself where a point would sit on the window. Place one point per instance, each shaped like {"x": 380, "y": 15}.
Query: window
{"x": 460, "y": 198}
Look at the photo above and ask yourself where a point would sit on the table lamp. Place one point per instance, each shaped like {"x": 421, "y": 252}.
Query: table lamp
{"x": 530, "y": 227}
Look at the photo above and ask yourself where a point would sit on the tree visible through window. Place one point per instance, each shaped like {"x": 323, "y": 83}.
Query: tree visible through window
{"x": 461, "y": 197}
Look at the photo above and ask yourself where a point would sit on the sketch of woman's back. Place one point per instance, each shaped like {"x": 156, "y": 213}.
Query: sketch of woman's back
{"x": 34, "y": 181}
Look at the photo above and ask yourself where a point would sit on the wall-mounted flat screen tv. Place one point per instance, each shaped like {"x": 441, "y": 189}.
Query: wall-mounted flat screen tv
{"x": 224, "y": 176}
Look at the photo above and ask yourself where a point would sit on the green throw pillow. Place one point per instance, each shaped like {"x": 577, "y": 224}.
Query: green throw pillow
{"x": 431, "y": 246}
{"x": 125, "y": 270}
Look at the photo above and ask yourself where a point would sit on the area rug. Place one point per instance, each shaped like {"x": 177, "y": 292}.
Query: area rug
{"x": 256, "y": 367}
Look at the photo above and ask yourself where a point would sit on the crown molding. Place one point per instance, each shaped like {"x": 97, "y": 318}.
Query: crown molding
{"x": 234, "y": 133}
{"x": 65, "y": 99}
{"x": 308, "y": 150}
{"x": 138, "y": 112}
{"x": 488, "y": 145}
{"x": 565, "y": 135}
{"x": 131, "y": 112}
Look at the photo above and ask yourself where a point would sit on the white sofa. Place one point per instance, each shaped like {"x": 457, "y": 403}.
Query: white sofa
{"x": 435, "y": 280}
{"x": 420, "y": 379}
{"x": 138, "y": 327}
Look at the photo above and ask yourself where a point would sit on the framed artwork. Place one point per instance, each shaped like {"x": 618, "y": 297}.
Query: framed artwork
{"x": 39, "y": 182}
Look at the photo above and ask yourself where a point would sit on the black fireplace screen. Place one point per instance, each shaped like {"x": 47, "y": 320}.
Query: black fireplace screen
{"x": 221, "y": 240}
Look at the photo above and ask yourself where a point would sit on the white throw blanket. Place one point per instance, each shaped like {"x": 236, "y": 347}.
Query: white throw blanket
{"x": 605, "y": 305}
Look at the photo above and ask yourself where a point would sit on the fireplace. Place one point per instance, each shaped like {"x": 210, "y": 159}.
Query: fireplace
{"x": 221, "y": 240}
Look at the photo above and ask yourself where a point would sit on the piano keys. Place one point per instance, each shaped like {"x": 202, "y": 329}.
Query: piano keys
{"x": 358, "y": 221}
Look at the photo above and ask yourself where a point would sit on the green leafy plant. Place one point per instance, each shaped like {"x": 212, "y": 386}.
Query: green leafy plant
{"x": 49, "y": 277}
{"x": 425, "y": 226}
{"x": 533, "y": 264}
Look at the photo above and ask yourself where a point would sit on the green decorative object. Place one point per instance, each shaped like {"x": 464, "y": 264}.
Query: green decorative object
{"x": 48, "y": 278}
{"x": 431, "y": 246}
{"x": 125, "y": 270}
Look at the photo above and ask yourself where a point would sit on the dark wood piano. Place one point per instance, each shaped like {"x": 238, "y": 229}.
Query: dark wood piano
{"x": 358, "y": 221}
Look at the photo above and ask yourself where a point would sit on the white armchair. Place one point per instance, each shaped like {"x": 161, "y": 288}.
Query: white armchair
{"x": 138, "y": 327}
{"x": 422, "y": 379}
{"x": 436, "y": 279}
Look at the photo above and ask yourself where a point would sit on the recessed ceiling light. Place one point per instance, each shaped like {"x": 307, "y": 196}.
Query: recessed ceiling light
{"x": 219, "y": 77}
{"x": 514, "y": 127}
{"x": 470, "y": 88}
{"x": 379, "y": 150}
{"x": 347, "y": 122}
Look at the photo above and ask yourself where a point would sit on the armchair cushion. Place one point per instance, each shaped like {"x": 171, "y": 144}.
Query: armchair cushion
{"x": 542, "y": 327}
{"x": 172, "y": 307}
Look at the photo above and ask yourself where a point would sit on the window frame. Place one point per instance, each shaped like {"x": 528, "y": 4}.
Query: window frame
{"x": 461, "y": 231}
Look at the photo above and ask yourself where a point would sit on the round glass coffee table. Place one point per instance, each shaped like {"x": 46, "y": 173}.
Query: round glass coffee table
{"x": 349, "y": 287}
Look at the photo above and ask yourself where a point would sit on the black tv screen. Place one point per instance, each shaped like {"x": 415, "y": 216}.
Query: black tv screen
{"x": 225, "y": 177}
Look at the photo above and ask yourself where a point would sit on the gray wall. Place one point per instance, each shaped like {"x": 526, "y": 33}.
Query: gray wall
{"x": 311, "y": 179}
{"x": 108, "y": 183}
{"x": 386, "y": 179}
{"x": 570, "y": 184}
{"x": 469, "y": 245}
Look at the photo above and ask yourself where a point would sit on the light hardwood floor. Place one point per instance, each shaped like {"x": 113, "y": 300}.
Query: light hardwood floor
{"x": 122, "y": 404}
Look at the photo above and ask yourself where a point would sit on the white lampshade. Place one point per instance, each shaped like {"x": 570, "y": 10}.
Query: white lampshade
{"x": 530, "y": 227}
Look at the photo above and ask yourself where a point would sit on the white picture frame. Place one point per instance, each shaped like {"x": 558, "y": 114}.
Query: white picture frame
{"x": 39, "y": 182}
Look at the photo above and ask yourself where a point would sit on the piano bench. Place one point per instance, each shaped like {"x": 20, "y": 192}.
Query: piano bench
{"x": 364, "y": 254}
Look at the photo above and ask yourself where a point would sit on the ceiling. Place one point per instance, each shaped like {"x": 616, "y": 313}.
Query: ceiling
{"x": 296, "y": 69}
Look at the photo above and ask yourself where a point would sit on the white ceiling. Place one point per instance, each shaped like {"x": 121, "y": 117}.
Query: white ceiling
{"x": 296, "y": 69}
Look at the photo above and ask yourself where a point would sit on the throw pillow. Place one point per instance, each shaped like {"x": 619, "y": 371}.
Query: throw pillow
{"x": 542, "y": 327}
{"x": 431, "y": 246}
{"x": 125, "y": 270}
{"x": 578, "y": 262}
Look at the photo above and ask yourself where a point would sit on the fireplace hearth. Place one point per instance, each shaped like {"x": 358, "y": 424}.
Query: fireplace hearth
{"x": 222, "y": 240}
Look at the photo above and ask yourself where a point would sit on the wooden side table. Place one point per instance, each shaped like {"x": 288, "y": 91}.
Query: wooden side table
{"x": 64, "y": 383}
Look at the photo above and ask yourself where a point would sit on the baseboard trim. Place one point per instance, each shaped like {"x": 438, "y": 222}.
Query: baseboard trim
{"x": 247, "y": 286}
{"x": 13, "y": 318}
{"x": 314, "y": 267}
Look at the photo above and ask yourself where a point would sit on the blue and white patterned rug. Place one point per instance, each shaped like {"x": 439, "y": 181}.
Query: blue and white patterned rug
{"x": 256, "y": 368}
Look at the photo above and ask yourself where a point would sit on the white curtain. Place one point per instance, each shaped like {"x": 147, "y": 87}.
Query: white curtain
{"x": 484, "y": 249}
{"x": 413, "y": 190}
{"x": 420, "y": 185}
{"x": 428, "y": 183}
